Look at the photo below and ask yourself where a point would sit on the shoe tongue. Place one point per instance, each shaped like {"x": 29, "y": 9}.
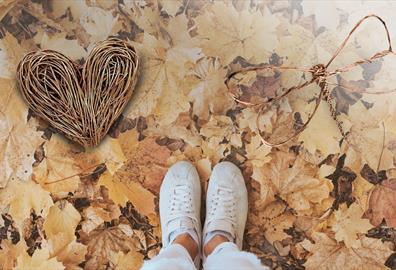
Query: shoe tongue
{"x": 221, "y": 225}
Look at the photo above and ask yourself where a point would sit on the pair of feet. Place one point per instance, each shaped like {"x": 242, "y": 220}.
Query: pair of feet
{"x": 180, "y": 206}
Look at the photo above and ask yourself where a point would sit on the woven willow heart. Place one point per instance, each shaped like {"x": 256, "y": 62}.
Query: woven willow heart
{"x": 81, "y": 102}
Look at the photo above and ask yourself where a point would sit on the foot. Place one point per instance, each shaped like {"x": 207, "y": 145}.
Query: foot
{"x": 226, "y": 206}
{"x": 180, "y": 204}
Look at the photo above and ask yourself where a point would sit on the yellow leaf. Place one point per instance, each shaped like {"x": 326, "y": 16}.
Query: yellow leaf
{"x": 60, "y": 43}
{"x": 273, "y": 220}
{"x": 58, "y": 172}
{"x": 132, "y": 260}
{"x": 18, "y": 136}
{"x": 98, "y": 23}
{"x": 62, "y": 218}
{"x": 367, "y": 134}
{"x": 227, "y": 33}
{"x": 327, "y": 254}
{"x": 9, "y": 253}
{"x": 295, "y": 180}
{"x": 161, "y": 74}
{"x": 109, "y": 151}
{"x": 22, "y": 197}
{"x": 204, "y": 168}
{"x": 123, "y": 190}
{"x": 322, "y": 134}
{"x": 11, "y": 52}
{"x": 349, "y": 225}
{"x": 67, "y": 250}
{"x": 257, "y": 152}
{"x": 39, "y": 261}
{"x": 209, "y": 94}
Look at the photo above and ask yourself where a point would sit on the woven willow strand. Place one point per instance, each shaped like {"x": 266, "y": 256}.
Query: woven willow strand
{"x": 81, "y": 102}
{"x": 320, "y": 75}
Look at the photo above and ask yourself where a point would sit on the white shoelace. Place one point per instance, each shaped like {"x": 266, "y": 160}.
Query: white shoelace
{"x": 223, "y": 205}
{"x": 181, "y": 202}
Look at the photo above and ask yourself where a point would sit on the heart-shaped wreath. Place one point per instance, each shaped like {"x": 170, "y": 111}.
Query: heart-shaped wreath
{"x": 80, "y": 101}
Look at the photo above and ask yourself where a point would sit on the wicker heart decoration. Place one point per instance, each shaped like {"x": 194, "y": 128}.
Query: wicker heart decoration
{"x": 81, "y": 102}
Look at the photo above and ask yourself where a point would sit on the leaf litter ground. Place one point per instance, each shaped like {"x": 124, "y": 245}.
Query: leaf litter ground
{"x": 317, "y": 202}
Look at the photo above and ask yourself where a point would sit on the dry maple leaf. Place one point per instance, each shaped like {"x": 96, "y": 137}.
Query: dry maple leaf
{"x": 102, "y": 242}
{"x": 18, "y": 136}
{"x": 107, "y": 155}
{"x": 58, "y": 172}
{"x": 98, "y": 23}
{"x": 227, "y": 33}
{"x": 99, "y": 212}
{"x": 11, "y": 52}
{"x": 294, "y": 180}
{"x": 9, "y": 253}
{"x": 183, "y": 128}
{"x": 145, "y": 15}
{"x": 160, "y": 91}
{"x": 382, "y": 203}
{"x": 132, "y": 260}
{"x": 38, "y": 261}
{"x": 204, "y": 168}
{"x": 247, "y": 119}
{"x": 110, "y": 153}
{"x": 147, "y": 161}
{"x": 296, "y": 44}
{"x": 372, "y": 136}
{"x": 123, "y": 189}
{"x": 257, "y": 152}
{"x": 66, "y": 250}
{"x": 327, "y": 254}
{"x": 349, "y": 224}
{"x": 321, "y": 135}
{"x": 218, "y": 134}
{"x": 62, "y": 218}
{"x": 171, "y": 7}
{"x": 273, "y": 220}
{"x": 60, "y": 43}
{"x": 209, "y": 95}
{"x": 21, "y": 198}
{"x": 72, "y": 255}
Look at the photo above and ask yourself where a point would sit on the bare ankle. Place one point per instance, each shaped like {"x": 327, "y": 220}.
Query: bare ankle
{"x": 188, "y": 243}
{"x": 213, "y": 243}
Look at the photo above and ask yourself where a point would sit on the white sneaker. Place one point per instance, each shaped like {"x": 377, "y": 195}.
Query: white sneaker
{"x": 180, "y": 204}
{"x": 226, "y": 204}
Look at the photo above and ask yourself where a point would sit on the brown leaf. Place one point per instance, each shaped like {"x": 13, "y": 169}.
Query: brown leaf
{"x": 371, "y": 176}
{"x": 147, "y": 161}
{"x": 382, "y": 203}
{"x": 103, "y": 241}
{"x": 327, "y": 254}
